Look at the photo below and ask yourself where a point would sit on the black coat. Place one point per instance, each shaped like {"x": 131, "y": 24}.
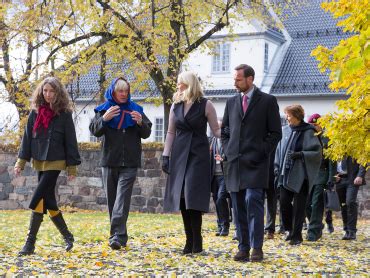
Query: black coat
{"x": 249, "y": 139}
{"x": 190, "y": 169}
{"x": 120, "y": 148}
{"x": 354, "y": 170}
{"x": 58, "y": 142}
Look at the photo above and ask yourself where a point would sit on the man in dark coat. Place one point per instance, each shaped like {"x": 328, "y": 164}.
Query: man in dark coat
{"x": 350, "y": 176}
{"x": 251, "y": 130}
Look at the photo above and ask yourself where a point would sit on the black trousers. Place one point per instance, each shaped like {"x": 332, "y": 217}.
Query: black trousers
{"x": 220, "y": 196}
{"x": 47, "y": 181}
{"x": 293, "y": 207}
{"x": 271, "y": 200}
{"x": 118, "y": 183}
{"x": 347, "y": 193}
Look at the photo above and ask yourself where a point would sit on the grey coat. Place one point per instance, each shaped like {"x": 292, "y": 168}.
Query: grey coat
{"x": 305, "y": 168}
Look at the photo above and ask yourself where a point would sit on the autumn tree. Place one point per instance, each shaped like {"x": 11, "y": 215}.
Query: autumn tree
{"x": 151, "y": 38}
{"x": 349, "y": 65}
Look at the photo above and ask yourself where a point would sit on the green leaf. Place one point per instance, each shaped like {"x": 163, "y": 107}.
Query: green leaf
{"x": 355, "y": 64}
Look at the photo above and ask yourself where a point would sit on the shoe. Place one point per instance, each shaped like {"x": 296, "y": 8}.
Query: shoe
{"x": 349, "y": 235}
{"x": 330, "y": 227}
{"x": 295, "y": 242}
{"x": 219, "y": 229}
{"x": 270, "y": 235}
{"x": 115, "y": 245}
{"x": 241, "y": 256}
{"x": 281, "y": 230}
{"x": 188, "y": 248}
{"x": 311, "y": 237}
{"x": 257, "y": 255}
{"x": 288, "y": 237}
{"x": 224, "y": 231}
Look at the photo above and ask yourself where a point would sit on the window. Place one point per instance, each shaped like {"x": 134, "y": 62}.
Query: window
{"x": 221, "y": 59}
{"x": 266, "y": 58}
{"x": 158, "y": 134}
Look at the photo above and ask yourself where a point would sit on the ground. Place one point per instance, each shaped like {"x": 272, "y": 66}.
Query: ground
{"x": 154, "y": 248}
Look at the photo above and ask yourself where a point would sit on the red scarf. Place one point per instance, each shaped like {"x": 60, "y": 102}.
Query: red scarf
{"x": 44, "y": 116}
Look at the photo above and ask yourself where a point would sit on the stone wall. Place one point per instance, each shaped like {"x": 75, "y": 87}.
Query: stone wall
{"x": 86, "y": 190}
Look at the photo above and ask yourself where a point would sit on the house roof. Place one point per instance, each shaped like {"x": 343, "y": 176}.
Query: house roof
{"x": 308, "y": 27}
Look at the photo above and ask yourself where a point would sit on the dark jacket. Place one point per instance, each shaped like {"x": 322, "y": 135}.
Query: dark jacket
{"x": 58, "y": 142}
{"x": 305, "y": 168}
{"x": 248, "y": 140}
{"x": 354, "y": 170}
{"x": 327, "y": 167}
{"x": 120, "y": 147}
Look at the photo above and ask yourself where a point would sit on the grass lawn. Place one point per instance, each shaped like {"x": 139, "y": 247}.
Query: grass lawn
{"x": 154, "y": 248}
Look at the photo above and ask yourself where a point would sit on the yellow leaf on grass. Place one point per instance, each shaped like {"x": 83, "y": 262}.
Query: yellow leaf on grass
{"x": 99, "y": 264}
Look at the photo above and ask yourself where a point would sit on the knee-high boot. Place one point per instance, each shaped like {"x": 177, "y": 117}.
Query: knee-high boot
{"x": 196, "y": 226}
{"x": 59, "y": 222}
{"x": 187, "y": 227}
{"x": 35, "y": 223}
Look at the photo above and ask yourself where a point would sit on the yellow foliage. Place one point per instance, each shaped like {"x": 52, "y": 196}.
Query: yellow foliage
{"x": 349, "y": 65}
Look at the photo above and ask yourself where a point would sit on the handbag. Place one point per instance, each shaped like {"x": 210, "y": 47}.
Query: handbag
{"x": 332, "y": 199}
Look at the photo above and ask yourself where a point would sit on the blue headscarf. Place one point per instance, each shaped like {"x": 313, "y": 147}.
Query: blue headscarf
{"x": 125, "y": 108}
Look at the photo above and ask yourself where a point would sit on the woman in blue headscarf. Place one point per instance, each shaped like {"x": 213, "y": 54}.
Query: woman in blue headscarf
{"x": 121, "y": 123}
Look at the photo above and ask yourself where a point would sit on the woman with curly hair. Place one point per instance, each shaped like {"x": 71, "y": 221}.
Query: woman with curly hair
{"x": 50, "y": 141}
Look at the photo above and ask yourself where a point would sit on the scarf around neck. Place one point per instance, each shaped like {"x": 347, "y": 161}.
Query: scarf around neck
{"x": 44, "y": 116}
{"x": 124, "y": 119}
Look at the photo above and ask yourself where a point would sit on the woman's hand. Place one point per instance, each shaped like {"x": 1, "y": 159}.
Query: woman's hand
{"x": 71, "y": 178}
{"x": 112, "y": 112}
{"x": 17, "y": 171}
{"x": 137, "y": 117}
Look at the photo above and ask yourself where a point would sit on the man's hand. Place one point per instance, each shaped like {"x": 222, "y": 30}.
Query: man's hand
{"x": 137, "y": 117}
{"x": 17, "y": 171}
{"x": 358, "y": 181}
{"x": 112, "y": 112}
{"x": 218, "y": 157}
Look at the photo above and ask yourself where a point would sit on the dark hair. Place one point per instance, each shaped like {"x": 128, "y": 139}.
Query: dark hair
{"x": 247, "y": 70}
{"x": 61, "y": 102}
{"x": 296, "y": 111}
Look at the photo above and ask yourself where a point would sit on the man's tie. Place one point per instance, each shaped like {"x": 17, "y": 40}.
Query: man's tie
{"x": 245, "y": 103}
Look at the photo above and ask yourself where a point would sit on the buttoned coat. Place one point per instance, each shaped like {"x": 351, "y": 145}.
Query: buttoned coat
{"x": 248, "y": 139}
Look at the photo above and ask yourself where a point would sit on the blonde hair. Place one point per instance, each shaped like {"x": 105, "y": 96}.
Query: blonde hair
{"x": 121, "y": 85}
{"x": 61, "y": 101}
{"x": 193, "y": 92}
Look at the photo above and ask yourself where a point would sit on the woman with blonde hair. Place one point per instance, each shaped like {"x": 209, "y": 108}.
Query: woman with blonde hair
{"x": 50, "y": 141}
{"x": 189, "y": 171}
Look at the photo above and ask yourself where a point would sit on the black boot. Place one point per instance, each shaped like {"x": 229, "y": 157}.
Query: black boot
{"x": 196, "y": 226}
{"x": 187, "y": 227}
{"x": 35, "y": 223}
{"x": 59, "y": 222}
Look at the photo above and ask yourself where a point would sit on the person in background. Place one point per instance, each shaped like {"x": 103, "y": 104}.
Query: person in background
{"x": 324, "y": 179}
{"x": 122, "y": 124}
{"x": 297, "y": 163}
{"x": 349, "y": 177}
{"x": 251, "y": 129}
{"x": 218, "y": 187}
{"x": 49, "y": 139}
{"x": 186, "y": 157}
{"x": 271, "y": 199}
